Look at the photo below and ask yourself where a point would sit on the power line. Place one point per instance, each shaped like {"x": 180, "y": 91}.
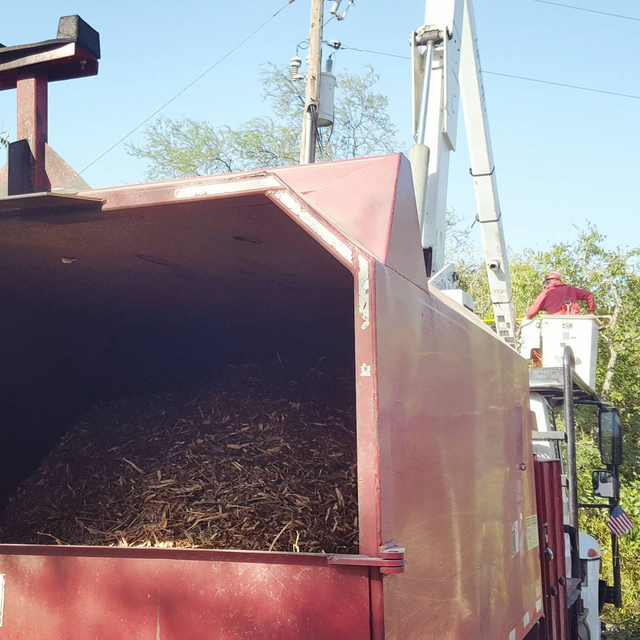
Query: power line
{"x": 508, "y": 75}
{"x": 202, "y": 75}
{"x": 378, "y": 53}
{"x": 328, "y": 21}
{"x": 562, "y": 84}
{"x": 602, "y": 13}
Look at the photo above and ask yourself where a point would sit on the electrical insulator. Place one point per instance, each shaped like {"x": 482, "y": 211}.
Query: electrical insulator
{"x": 336, "y": 7}
{"x": 329, "y": 65}
{"x": 294, "y": 67}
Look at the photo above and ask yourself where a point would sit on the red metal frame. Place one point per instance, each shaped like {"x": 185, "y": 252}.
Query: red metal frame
{"x": 119, "y": 593}
{"x": 29, "y": 68}
{"x": 548, "y": 474}
{"x": 33, "y": 122}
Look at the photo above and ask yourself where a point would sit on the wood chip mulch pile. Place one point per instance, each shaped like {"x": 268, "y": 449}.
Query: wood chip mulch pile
{"x": 260, "y": 458}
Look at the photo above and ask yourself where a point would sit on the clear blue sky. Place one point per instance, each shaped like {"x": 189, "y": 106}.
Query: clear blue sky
{"x": 562, "y": 156}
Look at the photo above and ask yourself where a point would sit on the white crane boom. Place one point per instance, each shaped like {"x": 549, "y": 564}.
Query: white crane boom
{"x": 483, "y": 171}
{"x": 449, "y": 43}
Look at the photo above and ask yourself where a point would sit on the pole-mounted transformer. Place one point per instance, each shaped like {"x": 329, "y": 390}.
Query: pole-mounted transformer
{"x": 328, "y": 84}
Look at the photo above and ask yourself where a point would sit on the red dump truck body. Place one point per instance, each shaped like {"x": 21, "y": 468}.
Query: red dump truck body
{"x": 80, "y": 592}
{"x": 104, "y": 291}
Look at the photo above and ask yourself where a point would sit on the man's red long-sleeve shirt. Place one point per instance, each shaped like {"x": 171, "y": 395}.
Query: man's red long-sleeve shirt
{"x": 558, "y": 297}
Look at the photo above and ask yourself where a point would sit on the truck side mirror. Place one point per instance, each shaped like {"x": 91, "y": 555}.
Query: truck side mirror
{"x": 610, "y": 437}
{"x": 604, "y": 484}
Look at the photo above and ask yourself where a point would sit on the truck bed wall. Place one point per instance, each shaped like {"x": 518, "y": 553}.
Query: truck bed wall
{"x": 139, "y": 309}
{"x": 456, "y": 472}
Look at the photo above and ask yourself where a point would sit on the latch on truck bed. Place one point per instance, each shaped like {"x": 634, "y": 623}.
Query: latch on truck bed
{"x": 390, "y": 560}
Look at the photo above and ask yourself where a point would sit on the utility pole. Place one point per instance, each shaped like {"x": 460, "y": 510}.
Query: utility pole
{"x": 312, "y": 99}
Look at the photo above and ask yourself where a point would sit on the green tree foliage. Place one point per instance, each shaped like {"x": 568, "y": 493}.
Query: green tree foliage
{"x": 614, "y": 278}
{"x": 186, "y": 147}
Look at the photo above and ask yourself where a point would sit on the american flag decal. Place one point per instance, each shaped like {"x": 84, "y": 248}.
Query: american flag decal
{"x": 620, "y": 523}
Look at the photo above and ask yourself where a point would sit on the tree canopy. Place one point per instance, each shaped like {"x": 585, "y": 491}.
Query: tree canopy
{"x": 187, "y": 147}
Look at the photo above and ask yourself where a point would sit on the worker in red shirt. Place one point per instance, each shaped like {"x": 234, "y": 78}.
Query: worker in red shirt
{"x": 560, "y": 298}
{"x": 557, "y": 298}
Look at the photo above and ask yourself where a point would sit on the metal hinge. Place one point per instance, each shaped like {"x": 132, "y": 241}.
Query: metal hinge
{"x": 390, "y": 560}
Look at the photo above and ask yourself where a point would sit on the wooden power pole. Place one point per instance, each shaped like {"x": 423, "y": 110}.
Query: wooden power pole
{"x": 312, "y": 100}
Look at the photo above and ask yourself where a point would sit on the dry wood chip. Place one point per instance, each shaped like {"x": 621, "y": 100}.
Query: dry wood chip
{"x": 135, "y": 466}
{"x": 233, "y": 463}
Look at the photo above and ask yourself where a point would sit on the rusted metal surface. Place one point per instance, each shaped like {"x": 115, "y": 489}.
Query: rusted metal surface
{"x": 73, "y": 54}
{"x": 334, "y": 268}
{"x": 554, "y": 625}
{"x": 33, "y": 125}
{"x": 61, "y": 175}
{"x": 43, "y": 202}
{"x": 32, "y": 164}
{"x": 76, "y": 592}
{"x": 63, "y": 60}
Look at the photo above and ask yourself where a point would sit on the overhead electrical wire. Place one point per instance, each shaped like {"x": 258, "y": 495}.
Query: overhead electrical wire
{"x": 378, "y": 53}
{"x": 187, "y": 87}
{"x": 328, "y": 21}
{"x": 508, "y": 75}
{"x": 602, "y": 13}
{"x": 304, "y": 44}
{"x": 568, "y": 86}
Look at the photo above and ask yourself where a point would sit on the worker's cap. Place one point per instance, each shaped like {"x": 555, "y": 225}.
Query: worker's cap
{"x": 552, "y": 275}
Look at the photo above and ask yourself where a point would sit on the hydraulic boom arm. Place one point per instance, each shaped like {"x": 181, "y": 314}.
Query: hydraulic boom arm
{"x": 446, "y": 64}
{"x": 483, "y": 171}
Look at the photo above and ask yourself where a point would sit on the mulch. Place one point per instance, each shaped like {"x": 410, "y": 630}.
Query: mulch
{"x": 259, "y": 458}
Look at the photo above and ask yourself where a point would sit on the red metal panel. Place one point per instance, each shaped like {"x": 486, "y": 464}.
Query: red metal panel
{"x": 32, "y": 123}
{"x": 554, "y": 625}
{"x": 367, "y": 434}
{"x": 130, "y": 594}
{"x": 58, "y": 59}
{"x": 456, "y": 470}
{"x": 358, "y": 198}
{"x": 403, "y": 254}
